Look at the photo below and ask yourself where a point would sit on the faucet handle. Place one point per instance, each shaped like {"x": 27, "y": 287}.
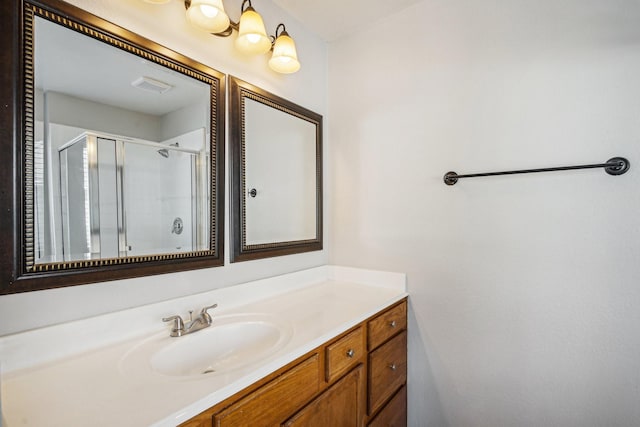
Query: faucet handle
{"x": 206, "y": 316}
{"x": 178, "y": 326}
{"x": 205, "y": 309}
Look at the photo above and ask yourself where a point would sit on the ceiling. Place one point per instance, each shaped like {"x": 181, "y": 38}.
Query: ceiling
{"x": 70, "y": 63}
{"x": 333, "y": 19}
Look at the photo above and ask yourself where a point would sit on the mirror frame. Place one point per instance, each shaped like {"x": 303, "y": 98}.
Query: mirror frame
{"x": 18, "y": 270}
{"x": 240, "y": 90}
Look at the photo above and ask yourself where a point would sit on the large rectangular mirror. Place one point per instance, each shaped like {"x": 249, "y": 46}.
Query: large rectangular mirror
{"x": 121, "y": 154}
{"x": 276, "y": 174}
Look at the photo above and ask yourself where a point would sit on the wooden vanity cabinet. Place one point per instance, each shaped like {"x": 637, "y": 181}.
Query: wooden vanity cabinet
{"x": 356, "y": 379}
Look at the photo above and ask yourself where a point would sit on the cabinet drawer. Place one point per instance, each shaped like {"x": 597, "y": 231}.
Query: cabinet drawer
{"x": 387, "y": 325}
{"x": 276, "y": 400}
{"x": 387, "y": 370}
{"x": 344, "y": 353}
{"x": 394, "y": 414}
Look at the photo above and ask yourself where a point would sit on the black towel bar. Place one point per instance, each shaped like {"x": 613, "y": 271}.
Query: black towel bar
{"x": 614, "y": 166}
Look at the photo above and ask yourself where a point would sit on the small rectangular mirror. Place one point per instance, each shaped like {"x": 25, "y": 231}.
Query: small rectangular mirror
{"x": 276, "y": 173}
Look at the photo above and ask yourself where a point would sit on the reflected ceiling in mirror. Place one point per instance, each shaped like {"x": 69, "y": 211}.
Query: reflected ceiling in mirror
{"x": 276, "y": 174}
{"x": 122, "y": 171}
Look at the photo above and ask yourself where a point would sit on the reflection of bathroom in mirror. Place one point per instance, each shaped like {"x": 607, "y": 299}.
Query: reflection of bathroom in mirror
{"x": 123, "y": 166}
{"x": 125, "y": 153}
{"x": 276, "y": 174}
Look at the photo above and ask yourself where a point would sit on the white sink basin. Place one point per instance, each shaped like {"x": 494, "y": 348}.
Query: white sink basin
{"x": 231, "y": 342}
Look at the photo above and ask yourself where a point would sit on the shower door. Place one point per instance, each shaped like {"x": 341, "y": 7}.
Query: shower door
{"x": 159, "y": 199}
{"x": 89, "y": 198}
{"x": 128, "y": 197}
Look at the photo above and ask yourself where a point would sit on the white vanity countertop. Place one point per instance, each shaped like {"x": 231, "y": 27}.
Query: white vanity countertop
{"x": 88, "y": 387}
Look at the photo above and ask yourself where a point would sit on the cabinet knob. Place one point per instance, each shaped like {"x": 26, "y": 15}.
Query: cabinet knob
{"x": 392, "y": 323}
{"x": 350, "y": 353}
{"x": 392, "y": 366}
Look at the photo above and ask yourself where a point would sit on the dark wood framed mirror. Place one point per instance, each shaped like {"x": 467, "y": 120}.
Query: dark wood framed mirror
{"x": 114, "y": 152}
{"x": 276, "y": 174}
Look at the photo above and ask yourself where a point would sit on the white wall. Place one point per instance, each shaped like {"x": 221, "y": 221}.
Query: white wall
{"x": 524, "y": 289}
{"x": 81, "y": 113}
{"x": 166, "y": 25}
{"x": 184, "y": 120}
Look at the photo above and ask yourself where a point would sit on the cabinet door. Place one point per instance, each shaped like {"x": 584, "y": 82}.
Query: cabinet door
{"x": 342, "y": 405}
{"x": 275, "y": 401}
{"x": 197, "y": 422}
{"x": 394, "y": 414}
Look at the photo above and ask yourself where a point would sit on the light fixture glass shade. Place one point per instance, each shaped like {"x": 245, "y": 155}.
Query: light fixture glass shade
{"x": 284, "y": 58}
{"x": 156, "y": 1}
{"x": 208, "y": 15}
{"x": 252, "y": 37}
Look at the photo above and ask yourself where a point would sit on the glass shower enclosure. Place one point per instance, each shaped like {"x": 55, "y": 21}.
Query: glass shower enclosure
{"x": 123, "y": 196}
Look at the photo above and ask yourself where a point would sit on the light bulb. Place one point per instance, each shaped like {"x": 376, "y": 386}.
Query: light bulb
{"x": 208, "y": 11}
{"x": 253, "y": 38}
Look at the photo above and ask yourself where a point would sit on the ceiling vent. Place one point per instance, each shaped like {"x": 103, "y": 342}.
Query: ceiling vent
{"x": 151, "y": 85}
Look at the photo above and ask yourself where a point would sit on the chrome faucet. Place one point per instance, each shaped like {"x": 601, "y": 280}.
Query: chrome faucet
{"x": 180, "y": 328}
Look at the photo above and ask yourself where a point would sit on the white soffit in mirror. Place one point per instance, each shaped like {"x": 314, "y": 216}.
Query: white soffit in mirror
{"x": 83, "y": 67}
{"x": 333, "y": 19}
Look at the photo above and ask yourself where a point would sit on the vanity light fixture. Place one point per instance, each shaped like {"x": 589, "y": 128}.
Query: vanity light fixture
{"x": 210, "y": 16}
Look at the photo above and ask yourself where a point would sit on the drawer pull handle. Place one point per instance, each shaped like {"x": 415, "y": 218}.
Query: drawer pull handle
{"x": 392, "y": 366}
{"x": 392, "y": 323}
{"x": 351, "y": 353}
